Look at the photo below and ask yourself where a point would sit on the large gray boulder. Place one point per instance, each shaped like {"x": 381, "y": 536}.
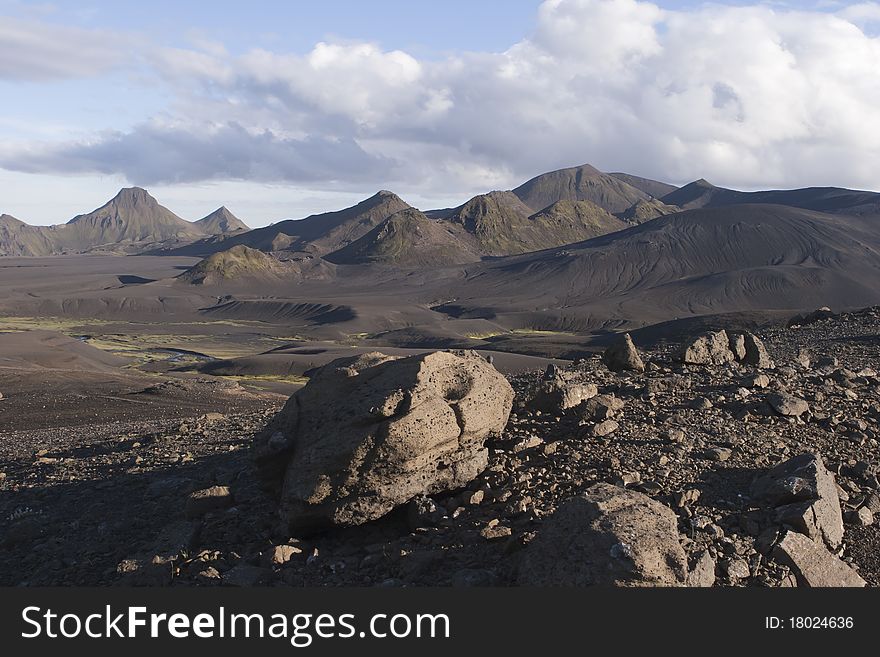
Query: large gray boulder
{"x": 755, "y": 352}
{"x": 607, "y": 536}
{"x": 804, "y": 495}
{"x": 711, "y": 348}
{"x": 556, "y": 394}
{"x": 623, "y": 355}
{"x": 813, "y": 564}
{"x": 370, "y": 433}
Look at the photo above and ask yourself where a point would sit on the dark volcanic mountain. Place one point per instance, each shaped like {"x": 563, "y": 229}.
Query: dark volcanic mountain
{"x": 239, "y": 262}
{"x": 703, "y": 194}
{"x": 317, "y": 234}
{"x": 748, "y": 257}
{"x": 654, "y": 188}
{"x": 408, "y": 239}
{"x": 220, "y": 222}
{"x": 584, "y": 183}
{"x": 130, "y": 216}
{"x": 646, "y": 210}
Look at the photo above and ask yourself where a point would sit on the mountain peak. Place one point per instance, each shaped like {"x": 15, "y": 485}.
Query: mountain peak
{"x": 221, "y": 221}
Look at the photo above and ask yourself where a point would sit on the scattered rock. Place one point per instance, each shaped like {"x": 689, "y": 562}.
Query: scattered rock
{"x": 862, "y": 517}
{"x": 813, "y": 564}
{"x": 605, "y": 428}
{"x": 207, "y": 500}
{"x": 709, "y": 349}
{"x": 804, "y": 495}
{"x": 606, "y": 536}
{"x": 702, "y": 575}
{"x": 787, "y": 405}
{"x": 622, "y": 356}
{"x": 755, "y": 352}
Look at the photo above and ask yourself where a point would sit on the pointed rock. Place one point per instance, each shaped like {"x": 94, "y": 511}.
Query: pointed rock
{"x": 623, "y": 356}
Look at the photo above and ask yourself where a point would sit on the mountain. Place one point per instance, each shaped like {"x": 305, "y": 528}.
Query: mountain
{"x": 703, "y": 194}
{"x": 408, "y": 239}
{"x": 20, "y": 239}
{"x": 132, "y": 216}
{"x": 728, "y": 259}
{"x": 130, "y": 222}
{"x": 239, "y": 262}
{"x": 317, "y": 234}
{"x": 220, "y": 222}
{"x": 646, "y": 210}
{"x": 651, "y": 187}
{"x": 566, "y": 222}
{"x": 584, "y": 183}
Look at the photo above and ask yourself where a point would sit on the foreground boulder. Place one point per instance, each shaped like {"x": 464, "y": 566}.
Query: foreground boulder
{"x": 607, "y": 536}
{"x": 813, "y": 564}
{"x": 623, "y": 356}
{"x": 370, "y": 433}
{"x": 804, "y": 496}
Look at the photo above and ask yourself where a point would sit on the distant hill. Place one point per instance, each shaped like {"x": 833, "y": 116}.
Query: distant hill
{"x": 408, "y": 239}
{"x": 315, "y": 235}
{"x": 728, "y": 259}
{"x": 703, "y": 194}
{"x": 220, "y": 222}
{"x": 237, "y": 263}
{"x": 130, "y": 222}
{"x": 583, "y": 183}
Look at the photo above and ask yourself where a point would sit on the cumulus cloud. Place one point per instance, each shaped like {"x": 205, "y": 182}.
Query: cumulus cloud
{"x": 33, "y": 50}
{"x": 746, "y": 96}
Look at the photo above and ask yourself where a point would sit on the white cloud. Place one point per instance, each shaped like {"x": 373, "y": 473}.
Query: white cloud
{"x": 33, "y": 50}
{"x": 744, "y": 96}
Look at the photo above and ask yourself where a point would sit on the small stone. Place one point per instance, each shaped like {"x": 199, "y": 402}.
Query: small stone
{"x": 281, "y": 554}
{"x": 474, "y": 499}
{"x": 719, "y": 454}
{"x": 703, "y": 573}
{"x": 492, "y": 533}
{"x": 759, "y": 381}
{"x": 738, "y": 569}
{"x": 605, "y": 428}
{"x": 204, "y": 501}
{"x": 787, "y": 405}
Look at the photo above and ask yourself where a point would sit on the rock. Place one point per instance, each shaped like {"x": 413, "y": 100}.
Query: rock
{"x": 558, "y": 394}
{"x": 813, "y": 565}
{"x": 422, "y": 511}
{"x": 702, "y": 575}
{"x": 803, "y": 358}
{"x": 623, "y": 356}
{"x": 738, "y": 345}
{"x": 369, "y": 433}
{"x": 709, "y": 349}
{"x": 600, "y": 407}
{"x": 719, "y": 454}
{"x": 494, "y": 532}
{"x": 804, "y": 495}
{"x": 759, "y": 381}
{"x": 738, "y": 569}
{"x": 787, "y": 405}
{"x": 755, "y": 352}
{"x": 204, "y": 501}
{"x": 1, "y": 396}
{"x": 606, "y": 536}
{"x": 605, "y": 428}
{"x": 281, "y": 554}
{"x": 872, "y": 503}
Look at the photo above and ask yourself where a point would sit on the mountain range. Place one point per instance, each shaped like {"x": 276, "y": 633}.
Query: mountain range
{"x": 130, "y": 222}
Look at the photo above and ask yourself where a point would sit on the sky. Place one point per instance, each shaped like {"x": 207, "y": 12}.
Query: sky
{"x": 281, "y": 109}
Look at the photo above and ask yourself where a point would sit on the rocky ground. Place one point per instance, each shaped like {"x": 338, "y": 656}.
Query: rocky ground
{"x": 179, "y": 502}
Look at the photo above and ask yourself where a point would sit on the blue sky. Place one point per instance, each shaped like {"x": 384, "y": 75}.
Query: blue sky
{"x": 278, "y": 109}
